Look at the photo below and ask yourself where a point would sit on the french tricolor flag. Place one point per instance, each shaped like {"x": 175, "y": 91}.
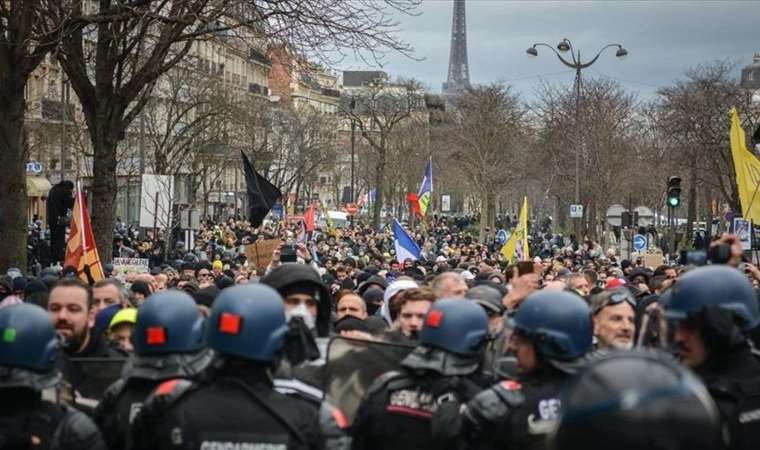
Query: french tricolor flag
{"x": 406, "y": 248}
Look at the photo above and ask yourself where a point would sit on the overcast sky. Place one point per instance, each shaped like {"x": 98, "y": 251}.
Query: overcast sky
{"x": 664, "y": 39}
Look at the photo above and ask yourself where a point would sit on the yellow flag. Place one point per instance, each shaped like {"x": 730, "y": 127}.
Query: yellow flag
{"x": 747, "y": 171}
{"x": 516, "y": 247}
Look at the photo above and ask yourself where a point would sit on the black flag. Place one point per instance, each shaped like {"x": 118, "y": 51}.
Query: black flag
{"x": 261, "y": 193}
{"x": 756, "y": 137}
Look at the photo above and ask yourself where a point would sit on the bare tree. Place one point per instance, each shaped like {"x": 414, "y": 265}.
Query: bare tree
{"x": 377, "y": 109}
{"x": 114, "y": 64}
{"x": 182, "y": 115}
{"x": 616, "y": 158}
{"x": 489, "y": 135}
{"x": 27, "y": 35}
{"x": 691, "y": 118}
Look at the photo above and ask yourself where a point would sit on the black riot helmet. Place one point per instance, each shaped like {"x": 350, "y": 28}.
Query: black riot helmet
{"x": 637, "y": 401}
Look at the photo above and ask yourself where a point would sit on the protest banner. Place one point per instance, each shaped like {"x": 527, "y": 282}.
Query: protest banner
{"x": 121, "y": 266}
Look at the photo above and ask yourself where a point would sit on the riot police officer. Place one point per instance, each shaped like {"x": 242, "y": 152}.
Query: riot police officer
{"x": 444, "y": 368}
{"x": 551, "y": 333}
{"x": 29, "y": 350}
{"x": 238, "y": 407}
{"x": 636, "y": 401}
{"x": 710, "y": 311}
{"x": 169, "y": 343}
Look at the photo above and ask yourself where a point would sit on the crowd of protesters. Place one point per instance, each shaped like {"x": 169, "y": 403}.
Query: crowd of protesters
{"x": 348, "y": 282}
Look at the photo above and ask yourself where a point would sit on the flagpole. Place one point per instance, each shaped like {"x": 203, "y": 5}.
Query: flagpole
{"x": 81, "y": 219}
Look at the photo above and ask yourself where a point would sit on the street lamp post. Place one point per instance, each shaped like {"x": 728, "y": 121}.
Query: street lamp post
{"x": 353, "y": 143}
{"x": 576, "y": 63}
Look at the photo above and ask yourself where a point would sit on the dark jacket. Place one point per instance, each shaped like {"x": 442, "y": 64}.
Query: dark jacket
{"x": 239, "y": 406}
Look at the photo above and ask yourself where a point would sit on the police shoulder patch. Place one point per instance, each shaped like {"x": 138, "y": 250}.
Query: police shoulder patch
{"x": 170, "y": 391}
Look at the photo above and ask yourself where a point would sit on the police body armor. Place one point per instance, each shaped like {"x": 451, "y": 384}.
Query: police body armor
{"x": 738, "y": 398}
{"x": 512, "y": 415}
{"x": 229, "y": 412}
{"x": 119, "y": 407}
{"x": 399, "y": 408}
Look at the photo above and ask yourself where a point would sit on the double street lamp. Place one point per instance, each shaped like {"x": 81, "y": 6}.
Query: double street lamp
{"x": 576, "y": 63}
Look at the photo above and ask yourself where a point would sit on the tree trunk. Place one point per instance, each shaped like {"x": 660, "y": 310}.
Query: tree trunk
{"x": 13, "y": 200}
{"x": 104, "y": 187}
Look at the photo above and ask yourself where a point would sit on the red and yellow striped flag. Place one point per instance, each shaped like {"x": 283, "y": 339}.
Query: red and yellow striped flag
{"x": 81, "y": 249}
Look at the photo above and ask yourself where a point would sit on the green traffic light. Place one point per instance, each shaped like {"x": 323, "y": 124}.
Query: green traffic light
{"x": 674, "y": 202}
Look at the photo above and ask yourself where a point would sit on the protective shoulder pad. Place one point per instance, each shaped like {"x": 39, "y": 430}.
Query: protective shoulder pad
{"x": 110, "y": 396}
{"x": 493, "y": 405}
{"x": 393, "y": 380}
{"x": 299, "y": 389}
{"x": 76, "y": 431}
{"x": 165, "y": 395}
{"x": 510, "y": 392}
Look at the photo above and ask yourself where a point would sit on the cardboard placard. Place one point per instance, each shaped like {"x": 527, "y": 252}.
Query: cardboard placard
{"x": 653, "y": 260}
{"x": 260, "y": 252}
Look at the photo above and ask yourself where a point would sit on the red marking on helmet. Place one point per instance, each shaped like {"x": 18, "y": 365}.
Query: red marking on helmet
{"x": 167, "y": 387}
{"x": 229, "y": 323}
{"x": 156, "y": 335}
{"x": 340, "y": 418}
{"x": 511, "y": 385}
{"x": 434, "y": 319}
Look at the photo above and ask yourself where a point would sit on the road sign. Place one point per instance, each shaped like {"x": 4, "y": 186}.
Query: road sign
{"x": 445, "y": 203}
{"x": 614, "y": 215}
{"x": 277, "y": 211}
{"x": 576, "y": 211}
{"x": 639, "y": 242}
{"x": 502, "y": 237}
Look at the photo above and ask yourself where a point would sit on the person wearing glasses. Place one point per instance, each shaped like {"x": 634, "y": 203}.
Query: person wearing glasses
{"x": 204, "y": 276}
{"x": 613, "y": 313}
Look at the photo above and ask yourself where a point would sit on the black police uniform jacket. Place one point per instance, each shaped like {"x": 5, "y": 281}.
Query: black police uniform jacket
{"x": 120, "y": 405}
{"x": 24, "y": 414}
{"x": 398, "y": 409}
{"x": 510, "y": 414}
{"x": 733, "y": 380}
{"x": 237, "y": 409}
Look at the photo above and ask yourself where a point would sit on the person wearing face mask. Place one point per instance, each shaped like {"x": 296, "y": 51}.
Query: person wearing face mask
{"x": 304, "y": 294}
{"x": 238, "y": 407}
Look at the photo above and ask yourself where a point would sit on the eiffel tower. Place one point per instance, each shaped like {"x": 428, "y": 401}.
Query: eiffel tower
{"x": 459, "y": 70}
